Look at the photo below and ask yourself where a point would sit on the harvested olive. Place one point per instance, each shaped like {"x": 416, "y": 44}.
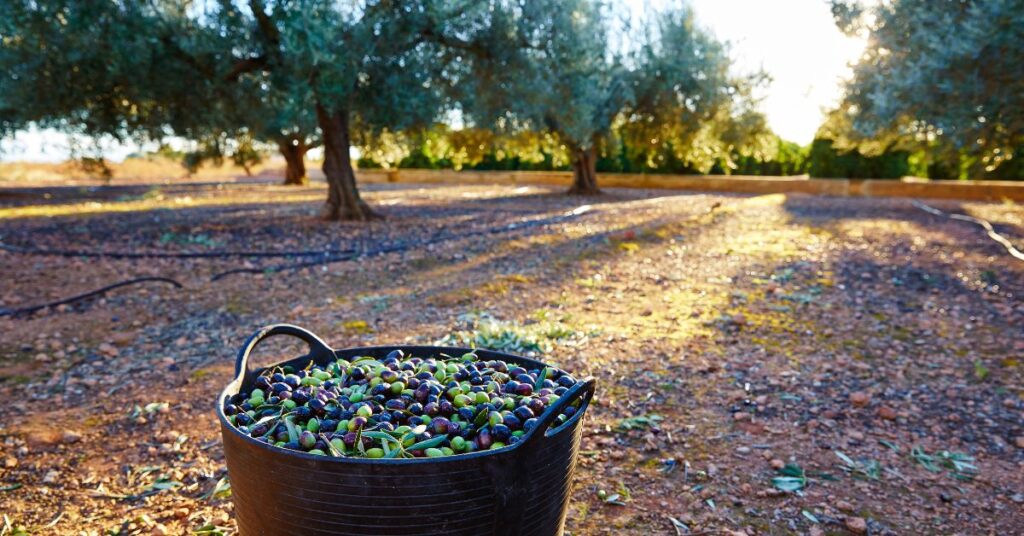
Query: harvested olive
{"x": 399, "y": 406}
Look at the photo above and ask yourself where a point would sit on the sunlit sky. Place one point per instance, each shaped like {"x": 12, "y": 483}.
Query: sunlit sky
{"x": 795, "y": 41}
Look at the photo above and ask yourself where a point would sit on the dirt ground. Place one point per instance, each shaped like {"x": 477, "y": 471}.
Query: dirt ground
{"x": 766, "y": 364}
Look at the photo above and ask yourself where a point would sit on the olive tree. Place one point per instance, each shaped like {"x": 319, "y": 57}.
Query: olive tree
{"x": 940, "y": 70}
{"x": 143, "y": 72}
{"x": 662, "y": 86}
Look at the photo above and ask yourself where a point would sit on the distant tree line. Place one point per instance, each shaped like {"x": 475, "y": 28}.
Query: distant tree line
{"x": 822, "y": 158}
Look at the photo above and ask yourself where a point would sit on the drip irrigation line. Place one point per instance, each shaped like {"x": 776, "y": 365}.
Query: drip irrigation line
{"x": 977, "y": 221}
{"x": 405, "y": 246}
{"x": 90, "y": 294}
{"x": 164, "y": 255}
{"x": 438, "y": 237}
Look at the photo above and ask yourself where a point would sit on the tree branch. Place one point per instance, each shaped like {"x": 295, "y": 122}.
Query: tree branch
{"x": 244, "y": 66}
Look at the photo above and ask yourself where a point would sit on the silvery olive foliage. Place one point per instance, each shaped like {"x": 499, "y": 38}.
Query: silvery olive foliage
{"x": 945, "y": 72}
{"x": 588, "y": 80}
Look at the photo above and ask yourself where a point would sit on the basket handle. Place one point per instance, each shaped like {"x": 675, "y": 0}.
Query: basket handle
{"x": 584, "y": 389}
{"x": 317, "y": 348}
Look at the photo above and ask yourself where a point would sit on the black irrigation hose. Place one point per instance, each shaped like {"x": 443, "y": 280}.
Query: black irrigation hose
{"x": 978, "y": 221}
{"x": 90, "y": 294}
{"x": 183, "y": 255}
{"x": 405, "y": 245}
{"x": 328, "y": 259}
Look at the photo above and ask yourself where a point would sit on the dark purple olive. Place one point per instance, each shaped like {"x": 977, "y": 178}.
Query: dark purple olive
{"x": 284, "y": 395}
{"x": 277, "y": 377}
{"x": 561, "y": 390}
{"x": 294, "y": 445}
{"x": 280, "y": 386}
{"x": 537, "y": 406}
{"x": 230, "y": 409}
{"x": 300, "y": 397}
{"x": 569, "y": 411}
{"x": 415, "y": 408}
{"x": 356, "y": 373}
{"x": 412, "y": 383}
{"x": 262, "y": 382}
{"x": 567, "y": 381}
{"x": 447, "y": 409}
{"x": 523, "y": 413}
{"x": 292, "y": 380}
{"x": 511, "y": 386}
{"x": 258, "y": 430}
{"x": 524, "y": 389}
{"x": 243, "y": 419}
{"x": 432, "y": 409}
{"x": 500, "y": 432}
{"x": 395, "y": 404}
{"x": 395, "y": 354}
{"x": 512, "y": 422}
{"x": 525, "y": 378}
{"x": 467, "y": 413}
{"x": 483, "y": 438}
{"x": 529, "y": 424}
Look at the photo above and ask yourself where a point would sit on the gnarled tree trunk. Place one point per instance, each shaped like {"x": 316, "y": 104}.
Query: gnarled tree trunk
{"x": 293, "y": 151}
{"x": 343, "y": 201}
{"x": 584, "y": 172}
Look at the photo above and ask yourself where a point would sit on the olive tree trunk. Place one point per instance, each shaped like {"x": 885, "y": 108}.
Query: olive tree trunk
{"x": 584, "y": 172}
{"x": 293, "y": 152}
{"x": 343, "y": 201}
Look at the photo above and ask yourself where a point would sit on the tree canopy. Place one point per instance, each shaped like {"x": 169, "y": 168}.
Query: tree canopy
{"x": 949, "y": 74}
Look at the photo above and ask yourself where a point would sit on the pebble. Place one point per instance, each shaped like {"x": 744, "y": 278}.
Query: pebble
{"x": 887, "y": 413}
{"x": 1020, "y": 442}
{"x": 777, "y": 464}
{"x": 859, "y": 399}
{"x": 743, "y": 450}
{"x": 108, "y": 350}
{"x": 71, "y": 436}
{"x": 122, "y": 338}
{"x": 856, "y": 525}
{"x": 10, "y": 462}
{"x": 844, "y": 506}
{"x": 51, "y": 477}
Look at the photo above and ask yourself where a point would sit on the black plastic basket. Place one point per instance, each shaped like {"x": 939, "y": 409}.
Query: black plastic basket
{"x": 522, "y": 489}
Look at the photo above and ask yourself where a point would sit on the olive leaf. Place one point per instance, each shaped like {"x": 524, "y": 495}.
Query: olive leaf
{"x": 540, "y": 379}
{"x": 428, "y": 443}
{"x": 293, "y": 433}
